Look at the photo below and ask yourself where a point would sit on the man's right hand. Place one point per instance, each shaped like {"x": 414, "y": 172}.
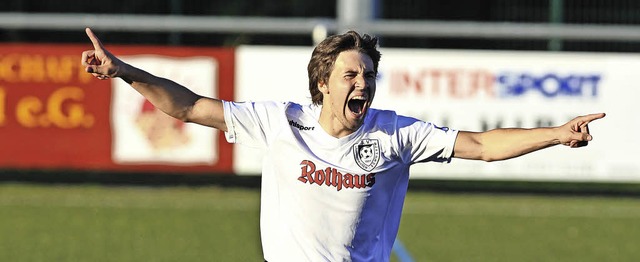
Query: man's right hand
{"x": 100, "y": 62}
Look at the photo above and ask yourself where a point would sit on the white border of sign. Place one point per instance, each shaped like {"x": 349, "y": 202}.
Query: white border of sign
{"x": 131, "y": 144}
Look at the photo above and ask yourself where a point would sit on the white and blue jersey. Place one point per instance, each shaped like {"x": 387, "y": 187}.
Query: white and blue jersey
{"x": 332, "y": 199}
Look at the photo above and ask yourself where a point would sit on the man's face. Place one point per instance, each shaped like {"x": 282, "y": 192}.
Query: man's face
{"x": 348, "y": 93}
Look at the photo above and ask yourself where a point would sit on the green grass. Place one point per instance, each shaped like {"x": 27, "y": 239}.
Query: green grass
{"x": 92, "y": 223}
{"x": 101, "y": 223}
{"x": 521, "y": 228}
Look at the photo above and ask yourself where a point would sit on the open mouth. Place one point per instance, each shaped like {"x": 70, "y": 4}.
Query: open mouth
{"x": 357, "y": 105}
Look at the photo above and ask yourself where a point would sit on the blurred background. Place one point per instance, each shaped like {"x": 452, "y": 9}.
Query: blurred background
{"x": 577, "y": 25}
{"x": 90, "y": 171}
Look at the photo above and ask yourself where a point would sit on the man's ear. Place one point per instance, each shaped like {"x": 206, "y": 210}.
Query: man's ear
{"x": 323, "y": 87}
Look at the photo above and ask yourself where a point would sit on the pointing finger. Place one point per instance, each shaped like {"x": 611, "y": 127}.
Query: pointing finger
{"x": 94, "y": 39}
{"x": 591, "y": 117}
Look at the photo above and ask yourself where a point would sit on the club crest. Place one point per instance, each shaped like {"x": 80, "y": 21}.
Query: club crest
{"x": 367, "y": 153}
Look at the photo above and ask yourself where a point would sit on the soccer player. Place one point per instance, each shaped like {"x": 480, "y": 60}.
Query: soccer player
{"x": 336, "y": 170}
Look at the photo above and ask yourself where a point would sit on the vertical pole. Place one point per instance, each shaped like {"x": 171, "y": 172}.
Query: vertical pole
{"x": 176, "y": 9}
{"x": 556, "y": 11}
{"x": 353, "y": 14}
{"x": 319, "y": 33}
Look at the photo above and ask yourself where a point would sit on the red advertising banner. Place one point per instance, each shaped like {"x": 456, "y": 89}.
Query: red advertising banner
{"x": 53, "y": 115}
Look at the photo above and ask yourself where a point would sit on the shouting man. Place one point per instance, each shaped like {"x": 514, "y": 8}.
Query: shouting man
{"x": 336, "y": 170}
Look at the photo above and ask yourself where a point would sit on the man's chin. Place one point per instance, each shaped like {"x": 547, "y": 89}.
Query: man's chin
{"x": 357, "y": 123}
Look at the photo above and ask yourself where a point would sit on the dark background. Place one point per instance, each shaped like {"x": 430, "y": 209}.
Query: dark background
{"x": 614, "y": 12}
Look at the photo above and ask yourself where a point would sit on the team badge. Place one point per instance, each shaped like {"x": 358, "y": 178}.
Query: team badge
{"x": 367, "y": 153}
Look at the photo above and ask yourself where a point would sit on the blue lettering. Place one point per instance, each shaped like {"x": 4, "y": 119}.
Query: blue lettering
{"x": 548, "y": 85}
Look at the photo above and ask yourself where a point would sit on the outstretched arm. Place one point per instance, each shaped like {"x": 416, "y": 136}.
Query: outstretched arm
{"x": 168, "y": 96}
{"x": 505, "y": 143}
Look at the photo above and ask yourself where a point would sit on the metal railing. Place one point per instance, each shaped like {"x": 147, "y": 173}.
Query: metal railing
{"x": 301, "y": 26}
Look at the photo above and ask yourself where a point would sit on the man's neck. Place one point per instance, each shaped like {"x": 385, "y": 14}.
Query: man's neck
{"x": 332, "y": 126}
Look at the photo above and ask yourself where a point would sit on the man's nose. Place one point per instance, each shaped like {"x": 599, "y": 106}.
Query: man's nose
{"x": 361, "y": 81}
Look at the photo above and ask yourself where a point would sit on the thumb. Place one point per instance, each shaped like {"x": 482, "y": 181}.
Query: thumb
{"x": 579, "y": 136}
{"x": 583, "y": 137}
{"x": 579, "y": 139}
{"x": 94, "y": 69}
{"x": 98, "y": 72}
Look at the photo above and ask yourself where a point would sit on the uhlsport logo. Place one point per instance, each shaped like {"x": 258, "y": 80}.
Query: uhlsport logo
{"x": 299, "y": 126}
{"x": 367, "y": 153}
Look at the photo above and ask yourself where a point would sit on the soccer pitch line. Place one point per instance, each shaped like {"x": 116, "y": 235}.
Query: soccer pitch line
{"x": 401, "y": 252}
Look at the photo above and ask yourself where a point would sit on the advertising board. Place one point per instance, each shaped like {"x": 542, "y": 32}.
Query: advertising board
{"x": 478, "y": 91}
{"x": 53, "y": 115}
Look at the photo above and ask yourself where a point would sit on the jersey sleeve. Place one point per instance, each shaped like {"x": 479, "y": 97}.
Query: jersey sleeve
{"x": 423, "y": 142}
{"x": 252, "y": 123}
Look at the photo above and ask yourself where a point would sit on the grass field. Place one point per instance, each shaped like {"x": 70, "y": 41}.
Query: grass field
{"x": 102, "y": 223}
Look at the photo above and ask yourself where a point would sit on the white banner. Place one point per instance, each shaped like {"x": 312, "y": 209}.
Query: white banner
{"x": 142, "y": 134}
{"x": 480, "y": 90}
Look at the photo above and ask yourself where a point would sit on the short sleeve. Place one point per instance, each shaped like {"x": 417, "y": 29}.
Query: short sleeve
{"x": 252, "y": 123}
{"x": 424, "y": 141}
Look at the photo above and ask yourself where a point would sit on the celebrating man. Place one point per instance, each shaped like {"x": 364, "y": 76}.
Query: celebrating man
{"x": 336, "y": 170}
